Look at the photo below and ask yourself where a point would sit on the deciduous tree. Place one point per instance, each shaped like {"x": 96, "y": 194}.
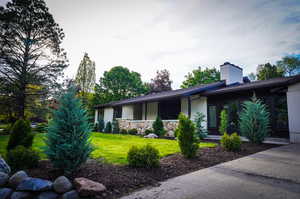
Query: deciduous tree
{"x": 199, "y": 76}
{"x": 161, "y": 82}
{"x": 268, "y": 71}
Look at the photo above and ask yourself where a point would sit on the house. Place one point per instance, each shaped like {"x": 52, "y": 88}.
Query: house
{"x": 281, "y": 95}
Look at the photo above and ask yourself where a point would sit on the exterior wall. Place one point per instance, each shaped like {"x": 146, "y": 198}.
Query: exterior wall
{"x": 108, "y": 114}
{"x": 152, "y": 110}
{"x": 293, "y": 97}
{"x": 199, "y": 104}
{"x": 231, "y": 74}
{"x": 127, "y": 112}
{"x": 142, "y": 125}
{"x": 184, "y": 105}
{"x": 96, "y": 116}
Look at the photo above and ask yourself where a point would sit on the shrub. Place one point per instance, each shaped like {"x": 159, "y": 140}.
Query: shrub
{"x": 133, "y": 131}
{"x": 20, "y": 135}
{"x": 22, "y": 158}
{"x": 41, "y": 128}
{"x": 254, "y": 121}
{"x": 148, "y": 131}
{"x": 231, "y": 143}
{"x": 68, "y": 138}
{"x": 146, "y": 156}
{"x": 201, "y": 133}
{"x": 158, "y": 127}
{"x": 6, "y": 129}
{"x": 186, "y": 137}
{"x": 224, "y": 122}
{"x": 99, "y": 126}
{"x": 123, "y": 131}
{"x": 108, "y": 128}
{"x": 116, "y": 128}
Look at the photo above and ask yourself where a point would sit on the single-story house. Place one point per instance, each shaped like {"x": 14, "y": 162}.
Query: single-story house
{"x": 281, "y": 95}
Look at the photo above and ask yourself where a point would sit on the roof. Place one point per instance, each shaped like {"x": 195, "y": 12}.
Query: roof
{"x": 271, "y": 83}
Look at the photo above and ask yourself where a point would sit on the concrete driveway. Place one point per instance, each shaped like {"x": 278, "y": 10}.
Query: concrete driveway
{"x": 273, "y": 174}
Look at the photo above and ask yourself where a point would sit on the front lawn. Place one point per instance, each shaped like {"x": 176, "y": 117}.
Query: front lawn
{"x": 113, "y": 147}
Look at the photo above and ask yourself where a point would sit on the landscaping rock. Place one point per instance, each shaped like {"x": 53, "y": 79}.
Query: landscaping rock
{"x": 70, "y": 195}
{"x": 151, "y": 135}
{"x": 17, "y": 178}
{"x": 3, "y": 179}
{"x": 62, "y": 185}
{"x": 21, "y": 195}
{"x": 4, "y": 166}
{"x": 86, "y": 187}
{"x": 48, "y": 195}
{"x": 5, "y": 193}
{"x": 35, "y": 184}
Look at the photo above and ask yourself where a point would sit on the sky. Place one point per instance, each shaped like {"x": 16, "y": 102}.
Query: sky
{"x": 150, "y": 35}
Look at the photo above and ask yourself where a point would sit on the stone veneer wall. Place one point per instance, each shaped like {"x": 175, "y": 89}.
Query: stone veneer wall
{"x": 142, "y": 125}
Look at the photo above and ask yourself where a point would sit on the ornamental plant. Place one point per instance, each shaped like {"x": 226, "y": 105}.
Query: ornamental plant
{"x": 146, "y": 156}
{"x": 186, "y": 136}
{"x": 101, "y": 124}
{"x": 200, "y": 131}
{"x": 115, "y": 127}
{"x": 108, "y": 128}
{"x": 68, "y": 139}
{"x": 231, "y": 142}
{"x": 224, "y": 122}
{"x": 158, "y": 127}
{"x": 254, "y": 121}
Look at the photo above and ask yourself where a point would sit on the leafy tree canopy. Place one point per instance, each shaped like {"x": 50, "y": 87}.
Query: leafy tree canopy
{"x": 199, "y": 76}
{"x": 161, "y": 82}
{"x": 268, "y": 71}
{"x": 290, "y": 65}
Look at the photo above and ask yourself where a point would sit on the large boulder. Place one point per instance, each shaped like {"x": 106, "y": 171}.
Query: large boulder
{"x": 62, "y": 185}
{"x": 21, "y": 195}
{"x": 35, "y": 184}
{"x": 86, "y": 187}
{"x": 70, "y": 195}
{"x": 5, "y": 193}
{"x": 3, "y": 179}
{"x": 48, "y": 195}
{"x": 4, "y": 166}
{"x": 17, "y": 178}
{"x": 151, "y": 135}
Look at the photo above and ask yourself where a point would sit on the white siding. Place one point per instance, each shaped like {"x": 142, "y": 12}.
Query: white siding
{"x": 184, "y": 105}
{"x": 96, "y": 116}
{"x": 152, "y": 110}
{"x": 199, "y": 104}
{"x": 293, "y": 97}
{"x": 108, "y": 114}
{"x": 231, "y": 74}
{"x": 127, "y": 112}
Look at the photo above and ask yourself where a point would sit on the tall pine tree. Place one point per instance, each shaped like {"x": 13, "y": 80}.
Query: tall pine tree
{"x": 68, "y": 138}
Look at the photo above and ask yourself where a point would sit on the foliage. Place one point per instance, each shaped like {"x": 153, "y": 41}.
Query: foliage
{"x": 22, "y": 158}
{"x": 161, "y": 82}
{"x": 200, "y": 131}
{"x": 117, "y": 84}
{"x": 123, "y": 131}
{"x": 186, "y": 137}
{"x": 252, "y": 76}
{"x": 116, "y": 128}
{"x": 233, "y": 116}
{"x": 231, "y": 142}
{"x": 99, "y": 126}
{"x": 41, "y": 127}
{"x": 158, "y": 127}
{"x": 199, "y": 76}
{"x": 20, "y": 135}
{"x": 108, "y": 127}
{"x": 254, "y": 121}
{"x": 148, "y": 131}
{"x": 68, "y": 138}
{"x": 290, "y": 65}
{"x": 223, "y": 122}
{"x": 6, "y": 129}
{"x": 268, "y": 71}
{"x": 31, "y": 56}
{"x": 145, "y": 157}
{"x": 133, "y": 131}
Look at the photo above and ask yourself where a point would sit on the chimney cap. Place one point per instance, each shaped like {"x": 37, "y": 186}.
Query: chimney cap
{"x": 228, "y": 63}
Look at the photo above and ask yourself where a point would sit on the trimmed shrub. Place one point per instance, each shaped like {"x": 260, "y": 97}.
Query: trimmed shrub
{"x": 22, "y": 158}
{"x": 133, "y": 131}
{"x": 254, "y": 121}
{"x": 223, "y": 122}
{"x": 231, "y": 142}
{"x": 158, "y": 127}
{"x": 68, "y": 139}
{"x": 186, "y": 136}
{"x": 148, "y": 131}
{"x": 116, "y": 128}
{"x": 108, "y": 128}
{"x": 99, "y": 126}
{"x": 123, "y": 131}
{"x": 20, "y": 135}
{"x": 145, "y": 157}
{"x": 201, "y": 133}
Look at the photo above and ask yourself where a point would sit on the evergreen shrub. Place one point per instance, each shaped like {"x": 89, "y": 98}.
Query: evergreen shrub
{"x": 231, "y": 142}
{"x": 115, "y": 127}
{"x": 158, "y": 127}
{"x": 201, "y": 133}
{"x": 224, "y": 122}
{"x": 108, "y": 127}
{"x": 21, "y": 158}
{"x": 133, "y": 131}
{"x": 146, "y": 156}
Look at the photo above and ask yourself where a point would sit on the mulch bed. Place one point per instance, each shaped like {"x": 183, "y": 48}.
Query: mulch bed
{"x": 121, "y": 180}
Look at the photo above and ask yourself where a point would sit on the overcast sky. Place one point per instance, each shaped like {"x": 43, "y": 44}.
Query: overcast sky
{"x": 147, "y": 35}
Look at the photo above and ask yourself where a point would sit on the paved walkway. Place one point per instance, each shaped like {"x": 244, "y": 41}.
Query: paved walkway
{"x": 270, "y": 174}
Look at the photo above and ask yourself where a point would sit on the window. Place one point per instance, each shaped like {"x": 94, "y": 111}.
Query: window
{"x": 138, "y": 111}
{"x": 212, "y": 116}
{"x": 169, "y": 110}
{"x": 117, "y": 112}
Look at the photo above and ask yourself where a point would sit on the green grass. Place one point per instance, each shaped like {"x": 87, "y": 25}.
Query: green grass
{"x": 113, "y": 147}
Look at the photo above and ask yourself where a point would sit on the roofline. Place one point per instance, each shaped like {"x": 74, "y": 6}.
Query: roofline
{"x": 228, "y": 63}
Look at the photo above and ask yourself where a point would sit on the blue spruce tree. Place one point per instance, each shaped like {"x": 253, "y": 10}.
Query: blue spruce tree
{"x": 68, "y": 138}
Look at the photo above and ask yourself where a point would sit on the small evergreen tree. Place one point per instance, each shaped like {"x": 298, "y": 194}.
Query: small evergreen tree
{"x": 201, "y": 133}
{"x": 158, "y": 127}
{"x": 68, "y": 138}
{"x": 116, "y": 128}
{"x": 108, "y": 128}
{"x": 20, "y": 135}
{"x": 186, "y": 137}
{"x": 101, "y": 124}
{"x": 224, "y": 122}
{"x": 254, "y": 121}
